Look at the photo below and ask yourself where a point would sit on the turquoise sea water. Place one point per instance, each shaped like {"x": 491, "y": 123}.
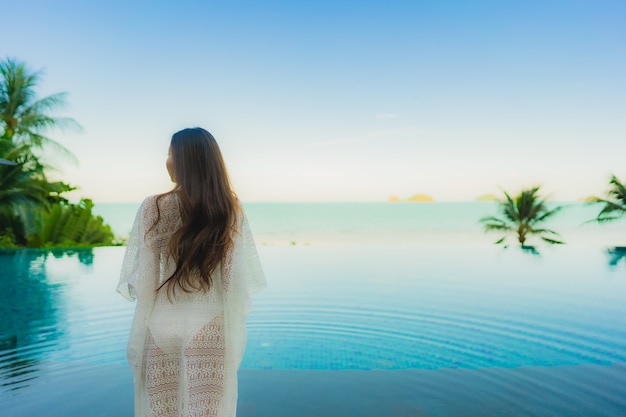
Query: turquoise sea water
{"x": 356, "y": 223}
{"x": 377, "y": 310}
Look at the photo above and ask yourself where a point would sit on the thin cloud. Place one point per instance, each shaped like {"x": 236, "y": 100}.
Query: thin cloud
{"x": 377, "y": 134}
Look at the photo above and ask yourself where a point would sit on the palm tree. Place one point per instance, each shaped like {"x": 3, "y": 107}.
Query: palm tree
{"x": 24, "y": 188}
{"x": 522, "y": 216}
{"x": 615, "y": 203}
{"x": 24, "y": 118}
{"x": 33, "y": 211}
{"x": 24, "y": 121}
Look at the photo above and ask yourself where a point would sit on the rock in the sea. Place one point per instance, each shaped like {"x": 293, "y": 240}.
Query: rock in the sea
{"x": 488, "y": 197}
{"x": 420, "y": 198}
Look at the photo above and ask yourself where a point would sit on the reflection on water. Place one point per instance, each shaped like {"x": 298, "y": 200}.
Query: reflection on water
{"x": 530, "y": 250}
{"x": 32, "y": 321}
{"x": 616, "y": 254}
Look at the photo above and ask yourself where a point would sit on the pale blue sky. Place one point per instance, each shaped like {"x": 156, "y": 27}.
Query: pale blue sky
{"x": 337, "y": 100}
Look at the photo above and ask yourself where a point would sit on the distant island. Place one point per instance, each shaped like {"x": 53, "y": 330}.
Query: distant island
{"x": 488, "y": 197}
{"x": 589, "y": 199}
{"x": 417, "y": 198}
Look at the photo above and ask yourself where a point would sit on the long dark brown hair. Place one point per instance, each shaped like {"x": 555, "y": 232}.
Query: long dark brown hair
{"x": 208, "y": 209}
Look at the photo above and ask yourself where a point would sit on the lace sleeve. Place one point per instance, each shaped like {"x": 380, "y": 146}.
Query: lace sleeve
{"x": 251, "y": 269}
{"x": 241, "y": 276}
{"x": 241, "y": 269}
{"x": 130, "y": 265}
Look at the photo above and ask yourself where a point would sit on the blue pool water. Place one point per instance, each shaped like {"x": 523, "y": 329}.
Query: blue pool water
{"x": 345, "y": 330}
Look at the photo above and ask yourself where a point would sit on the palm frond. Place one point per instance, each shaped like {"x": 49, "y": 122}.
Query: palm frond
{"x": 492, "y": 223}
{"x": 508, "y": 208}
{"x": 614, "y": 205}
{"x": 520, "y": 215}
{"x": 491, "y": 219}
{"x": 618, "y": 190}
{"x": 607, "y": 219}
{"x": 548, "y": 214}
{"x": 612, "y": 208}
{"x": 497, "y": 228}
{"x": 18, "y": 87}
{"x": 38, "y": 141}
{"x": 25, "y": 118}
{"x": 552, "y": 241}
{"x": 541, "y": 231}
{"x": 49, "y": 103}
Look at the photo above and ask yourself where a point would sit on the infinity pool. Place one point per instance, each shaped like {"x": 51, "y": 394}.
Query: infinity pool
{"x": 344, "y": 330}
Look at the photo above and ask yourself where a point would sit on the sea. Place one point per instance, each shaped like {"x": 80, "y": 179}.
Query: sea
{"x": 371, "y": 309}
{"x": 393, "y": 223}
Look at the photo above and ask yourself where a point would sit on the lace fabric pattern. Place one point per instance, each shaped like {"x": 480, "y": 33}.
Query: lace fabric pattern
{"x": 185, "y": 352}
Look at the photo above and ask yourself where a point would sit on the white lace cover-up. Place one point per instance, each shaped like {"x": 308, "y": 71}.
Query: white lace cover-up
{"x": 185, "y": 353}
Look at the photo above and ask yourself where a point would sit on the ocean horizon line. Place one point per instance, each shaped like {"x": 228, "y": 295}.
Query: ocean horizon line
{"x": 359, "y": 202}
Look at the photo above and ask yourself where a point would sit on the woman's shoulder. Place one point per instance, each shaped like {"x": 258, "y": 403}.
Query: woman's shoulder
{"x": 159, "y": 203}
{"x": 160, "y": 199}
{"x": 148, "y": 204}
{"x": 161, "y": 215}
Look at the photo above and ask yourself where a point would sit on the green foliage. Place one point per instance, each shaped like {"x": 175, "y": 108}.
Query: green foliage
{"x": 26, "y": 183}
{"x": 13, "y": 234}
{"x": 522, "y": 216}
{"x": 614, "y": 204}
{"x": 24, "y": 118}
{"x": 33, "y": 210}
{"x": 69, "y": 225}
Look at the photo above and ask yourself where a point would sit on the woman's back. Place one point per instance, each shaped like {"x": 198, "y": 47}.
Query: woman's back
{"x": 184, "y": 348}
{"x": 176, "y": 318}
{"x": 191, "y": 264}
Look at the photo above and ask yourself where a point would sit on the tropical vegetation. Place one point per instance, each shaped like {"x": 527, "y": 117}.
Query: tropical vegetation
{"x": 34, "y": 211}
{"x": 523, "y": 216}
{"x": 614, "y": 204}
